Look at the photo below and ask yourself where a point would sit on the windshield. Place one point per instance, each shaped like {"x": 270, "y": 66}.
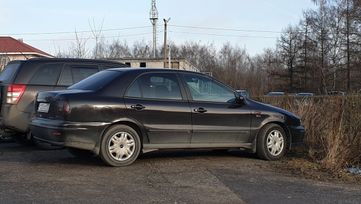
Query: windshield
{"x": 8, "y": 72}
{"x": 96, "y": 81}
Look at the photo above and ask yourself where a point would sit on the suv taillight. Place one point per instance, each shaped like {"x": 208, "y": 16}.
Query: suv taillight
{"x": 15, "y": 91}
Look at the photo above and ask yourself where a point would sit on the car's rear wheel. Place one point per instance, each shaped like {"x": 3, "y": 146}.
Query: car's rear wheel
{"x": 120, "y": 146}
{"x": 271, "y": 142}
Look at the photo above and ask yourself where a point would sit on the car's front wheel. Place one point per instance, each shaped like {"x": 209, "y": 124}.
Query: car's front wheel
{"x": 271, "y": 142}
{"x": 120, "y": 146}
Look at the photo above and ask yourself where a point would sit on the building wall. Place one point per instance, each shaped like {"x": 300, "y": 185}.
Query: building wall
{"x": 157, "y": 63}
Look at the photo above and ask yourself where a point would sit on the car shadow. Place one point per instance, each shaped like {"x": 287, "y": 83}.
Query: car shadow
{"x": 36, "y": 155}
{"x": 199, "y": 153}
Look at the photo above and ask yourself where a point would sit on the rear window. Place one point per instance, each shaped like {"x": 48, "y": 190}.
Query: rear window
{"x": 96, "y": 81}
{"x": 9, "y": 72}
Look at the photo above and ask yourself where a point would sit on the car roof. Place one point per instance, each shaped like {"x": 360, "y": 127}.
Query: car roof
{"x": 145, "y": 70}
{"x": 44, "y": 59}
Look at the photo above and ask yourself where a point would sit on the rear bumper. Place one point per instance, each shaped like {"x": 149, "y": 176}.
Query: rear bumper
{"x": 297, "y": 135}
{"x": 78, "y": 135}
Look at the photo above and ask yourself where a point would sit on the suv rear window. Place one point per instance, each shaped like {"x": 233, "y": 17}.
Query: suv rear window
{"x": 96, "y": 81}
{"x": 47, "y": 74}
{"x": 9, "y": 72}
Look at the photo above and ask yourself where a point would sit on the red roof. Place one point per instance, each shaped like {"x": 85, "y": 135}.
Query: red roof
{"x": 11, "y": 45}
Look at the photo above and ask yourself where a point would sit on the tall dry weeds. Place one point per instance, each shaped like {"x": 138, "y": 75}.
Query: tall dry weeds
{"x": 333, "y": 127}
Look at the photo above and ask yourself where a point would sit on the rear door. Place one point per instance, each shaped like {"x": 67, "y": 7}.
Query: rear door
{"x": 157, "y": 101}
{"x": 216, "y": 118}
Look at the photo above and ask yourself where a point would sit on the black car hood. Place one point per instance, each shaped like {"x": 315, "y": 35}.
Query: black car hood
{"x": 268, "y": 107}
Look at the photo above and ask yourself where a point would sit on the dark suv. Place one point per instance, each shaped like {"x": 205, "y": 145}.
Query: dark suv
{"x": 20, "y": 81}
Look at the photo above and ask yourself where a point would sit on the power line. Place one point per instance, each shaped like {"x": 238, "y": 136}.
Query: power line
{"x": 223, "y": 35}
{"x": 90, "y": 37}
{"x": 72, "y": 32}
{"x": 226, "y": 29}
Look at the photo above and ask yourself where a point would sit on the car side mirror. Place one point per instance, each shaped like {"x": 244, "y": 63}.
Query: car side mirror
{"x": 239, "y": 98}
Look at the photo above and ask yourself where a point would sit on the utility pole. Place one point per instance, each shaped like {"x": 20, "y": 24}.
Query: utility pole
{"x": 153, "y": 19}
{"x": 169, "y": 58}
{"x": 165, "y": 41}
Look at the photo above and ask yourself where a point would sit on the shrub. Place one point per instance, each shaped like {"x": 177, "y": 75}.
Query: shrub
{"x": 333, "y": 127}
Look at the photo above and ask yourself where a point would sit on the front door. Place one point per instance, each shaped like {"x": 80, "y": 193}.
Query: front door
{"x": 156, "y": 101}
{"x": 216, "y": 118}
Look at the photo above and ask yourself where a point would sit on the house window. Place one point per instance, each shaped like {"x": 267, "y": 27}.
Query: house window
{"x": 143, "y": 64}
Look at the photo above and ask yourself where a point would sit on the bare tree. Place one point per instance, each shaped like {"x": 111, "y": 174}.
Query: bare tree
{"x": 79, "y": 49}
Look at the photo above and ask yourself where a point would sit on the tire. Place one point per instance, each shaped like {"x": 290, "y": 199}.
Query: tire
{"x": 271, "y": 142}
{"x": 80, "y": 153}
{"x": 120, "y": 146}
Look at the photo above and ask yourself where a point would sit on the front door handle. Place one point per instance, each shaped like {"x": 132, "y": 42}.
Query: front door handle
{"x": 200, "y": 110}
{"x": 137, "y": 107}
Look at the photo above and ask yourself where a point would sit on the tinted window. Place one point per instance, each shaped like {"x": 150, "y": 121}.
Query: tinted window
{"x": 134, "y": 90}
{"x": 46, "y": 74}
{"x": 66, "y": 78}
{"x": 156, "y": 86}
{"x": 80, "y": 73}
{"x": 97, "y": 81}
{"x": 9, "y": 72}
{"x": 205, "y": 89}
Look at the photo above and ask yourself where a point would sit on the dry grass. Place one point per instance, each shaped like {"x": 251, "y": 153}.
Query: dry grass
{"x": 333, "y": 127}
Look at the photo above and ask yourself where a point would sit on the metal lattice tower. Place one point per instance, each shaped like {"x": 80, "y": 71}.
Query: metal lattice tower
{"x": 153, "y": 19}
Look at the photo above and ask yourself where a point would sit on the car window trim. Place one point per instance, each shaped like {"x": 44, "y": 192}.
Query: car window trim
{"x": 181, "y": 88}
{"x": 189, "y": 95}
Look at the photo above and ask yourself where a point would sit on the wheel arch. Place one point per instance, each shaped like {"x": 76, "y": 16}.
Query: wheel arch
{"x": 282, "y": 125}
{"x": 128, "y": 122}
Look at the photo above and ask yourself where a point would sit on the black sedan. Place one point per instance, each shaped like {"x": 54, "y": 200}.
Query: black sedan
{"x": 118, "y": 113}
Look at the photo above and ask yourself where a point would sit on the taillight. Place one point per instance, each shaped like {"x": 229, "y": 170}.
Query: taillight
{"x": 15, "y": 91}
{"x": 66, "y": 107}
{"x": 63, "y": 107}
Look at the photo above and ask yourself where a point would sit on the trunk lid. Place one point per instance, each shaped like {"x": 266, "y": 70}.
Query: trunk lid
{"x": 54, "y": 104}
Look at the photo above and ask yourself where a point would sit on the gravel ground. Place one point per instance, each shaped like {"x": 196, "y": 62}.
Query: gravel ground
{"x": 30, "y": 175}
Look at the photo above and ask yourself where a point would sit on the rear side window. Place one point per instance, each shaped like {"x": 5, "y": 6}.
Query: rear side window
{"x": 46, "y": 74}
{"x": 9, "y": 72}
{"x": 80, "y": 73}
{"x": 74, "y": 74}
{"x": 156, "y": 86}
{"x": 97, "y": 81}
{"x": 66, "y": 79}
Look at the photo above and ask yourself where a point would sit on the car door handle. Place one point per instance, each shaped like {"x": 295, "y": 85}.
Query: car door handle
{"x": 200, "y": 110}
{"x": 137, "y": 107}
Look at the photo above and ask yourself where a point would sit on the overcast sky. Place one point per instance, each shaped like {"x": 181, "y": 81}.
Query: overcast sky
{"x": 120, "y": 17}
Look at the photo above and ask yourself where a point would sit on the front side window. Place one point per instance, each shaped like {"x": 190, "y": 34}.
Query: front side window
{"x": 155, "y": 86}
{"x": 205, "y": 89}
